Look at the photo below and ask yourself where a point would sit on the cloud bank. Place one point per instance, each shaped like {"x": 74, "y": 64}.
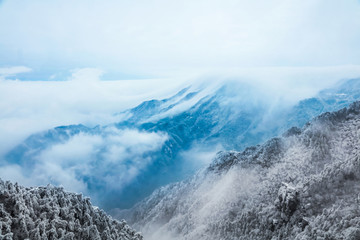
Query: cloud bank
{"x": 107, "y": 161}
{"x": 110, "y": 159}
{"x": 32, "y": 106}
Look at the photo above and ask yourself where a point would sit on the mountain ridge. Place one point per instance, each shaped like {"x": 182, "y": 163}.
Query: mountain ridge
{"x": 293, "y": 187}
{"x": 229, "y": 117}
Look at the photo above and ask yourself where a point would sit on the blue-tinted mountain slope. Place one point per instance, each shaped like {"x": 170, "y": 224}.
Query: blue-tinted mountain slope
{"x": 302, "y": 185}
{"x": 129, "y": 159}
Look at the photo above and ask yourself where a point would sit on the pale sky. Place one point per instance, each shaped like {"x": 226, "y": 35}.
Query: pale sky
{"x": 156, "y": 38}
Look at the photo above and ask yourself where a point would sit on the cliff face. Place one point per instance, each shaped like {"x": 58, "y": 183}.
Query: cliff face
{"x": 51, "y": 213}
{"x": 304, "y": 184}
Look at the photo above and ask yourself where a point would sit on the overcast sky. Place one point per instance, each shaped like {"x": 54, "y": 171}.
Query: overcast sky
{"x": 153, "y": 38}
{"x": 291, "y": 47}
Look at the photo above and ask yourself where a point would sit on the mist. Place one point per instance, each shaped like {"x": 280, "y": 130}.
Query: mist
{"x": 197, "y": 119}
{"x": 219, "y": 200}
{"x": 66, "y": 63}
{"x": 32, "y": 107}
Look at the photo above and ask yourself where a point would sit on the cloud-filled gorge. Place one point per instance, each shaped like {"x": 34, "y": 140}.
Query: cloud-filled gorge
{"x": 99, "y": 137}
{"x": 94, "y": 163}
{"x": 179, "y": 116}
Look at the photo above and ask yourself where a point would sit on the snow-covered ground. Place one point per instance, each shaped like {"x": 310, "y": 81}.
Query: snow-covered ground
{"x": 51, "y": 213}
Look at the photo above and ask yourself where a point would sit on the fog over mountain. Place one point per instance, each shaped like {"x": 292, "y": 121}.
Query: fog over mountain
{"x": 162, "y": 141}
{"x": 301, "y": 185}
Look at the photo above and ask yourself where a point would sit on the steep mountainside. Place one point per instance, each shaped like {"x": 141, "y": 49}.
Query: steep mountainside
{"x": 328, "y": 100}
{"x": 302, "y": 185}
{"x": 51, "y": 213}
{"x": 233, "y": 116}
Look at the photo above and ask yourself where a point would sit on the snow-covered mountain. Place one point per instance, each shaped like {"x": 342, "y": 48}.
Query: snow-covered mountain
{"x": 159, "y": 141}
{"x": 302, "y": 185}
{"x": 51, "y": 213}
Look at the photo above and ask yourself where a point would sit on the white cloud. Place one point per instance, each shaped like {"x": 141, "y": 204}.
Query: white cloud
{"x": 123, "y": 144}
{"x": 113, "y": 158}
{"x": 12, "y": 71}
{"x": 31, "y": 106}
{"x": 199, "y": 156}
{"x": 86, "y": 75}
{"x": 14, "y": 173}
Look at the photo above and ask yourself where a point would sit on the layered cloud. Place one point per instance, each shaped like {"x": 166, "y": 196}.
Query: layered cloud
{"x": 108, "y": 160}
{"x": 111, "y": 159}
{"x": 28, "y": 107}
